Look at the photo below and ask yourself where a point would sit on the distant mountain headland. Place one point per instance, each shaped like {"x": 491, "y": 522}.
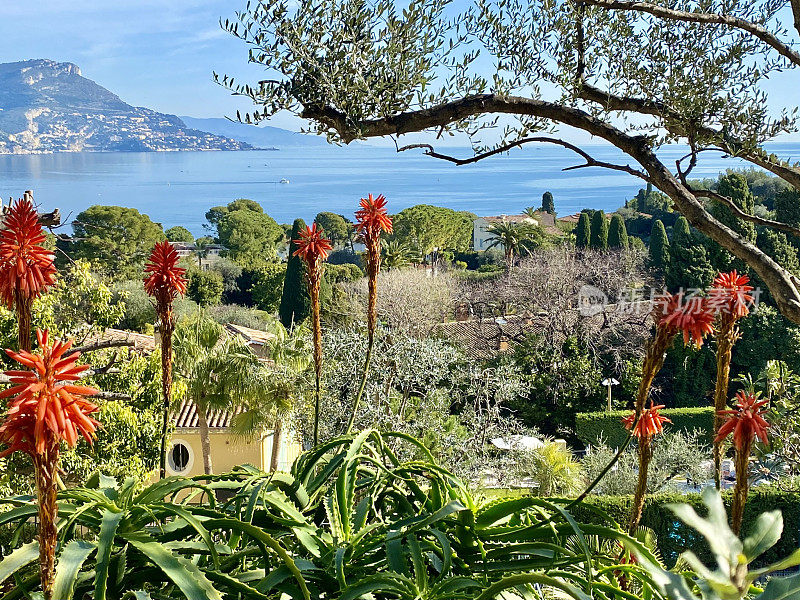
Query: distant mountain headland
{"x": 259, "y": 136}
{"x": 47, "y": 106}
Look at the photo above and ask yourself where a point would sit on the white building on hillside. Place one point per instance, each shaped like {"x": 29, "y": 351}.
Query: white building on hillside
{"x": 481, "y": 238}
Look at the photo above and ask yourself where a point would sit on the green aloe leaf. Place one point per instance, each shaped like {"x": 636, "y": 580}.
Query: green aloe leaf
{"x": 782, "y": 588}
{"x": 190, "y": 579}
{"x": 21, "y": 557}
{"x": 766, "y": 531}
{"x": 514, "y": 581}
{"x": 108, "y": 531}
{"x": 69, "y": 565}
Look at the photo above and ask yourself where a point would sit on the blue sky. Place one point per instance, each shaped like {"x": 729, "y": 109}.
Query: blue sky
{"x": 160, "y": 53}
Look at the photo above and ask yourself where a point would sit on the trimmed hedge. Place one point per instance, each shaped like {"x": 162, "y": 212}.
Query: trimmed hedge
{"x": 674, "y": 537}
{"x": 592, "y": 426}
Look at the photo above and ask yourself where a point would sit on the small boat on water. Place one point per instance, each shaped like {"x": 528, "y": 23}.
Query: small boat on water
{"x": 284, "y": 181}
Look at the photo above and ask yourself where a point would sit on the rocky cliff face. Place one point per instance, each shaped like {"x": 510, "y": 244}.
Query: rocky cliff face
{"x": 47, "y": 106}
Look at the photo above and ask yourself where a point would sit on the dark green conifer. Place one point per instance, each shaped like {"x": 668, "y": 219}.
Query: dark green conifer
{"x": 583, "y": 231}
{"x": 659, "y": 246}
{"x": 689, "y": 267}
{"x": 617, "y": 233}
{"x": 295, "y": 301}
{"x": 599, "y": 232}
{"x": 548, "y": 205}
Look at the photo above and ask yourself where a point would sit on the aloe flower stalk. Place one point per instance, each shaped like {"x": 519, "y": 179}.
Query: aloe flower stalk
{"x": 371, "y": 221}
{"x": 673, "y": 315}
{"x": 649, "y": 424}
{"x": 730, "y": 298}
{"x": 747, "y": 423}
{"x": 313, "y": 248}
{"x": 46, "y": 408}
{"x": 26, "y": 267}
{"x": 165, "y": 281}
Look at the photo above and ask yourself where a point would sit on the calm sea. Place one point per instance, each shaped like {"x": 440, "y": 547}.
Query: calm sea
{"x": 177, "y": 188}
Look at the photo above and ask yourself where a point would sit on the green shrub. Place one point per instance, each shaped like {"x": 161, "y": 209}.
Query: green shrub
{"x": 674, "y": 537}
{"x": 593, "y": 426}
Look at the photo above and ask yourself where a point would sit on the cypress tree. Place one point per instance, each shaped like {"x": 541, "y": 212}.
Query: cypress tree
{"x": 617, "y": 233}
{"x": 689, "y": 267}
{"x": 295, "y": 302}
{"x": 599, "y": 233}
{"x": 659, "y": 246}
{"x": 548, "y": 205}
{"x": 735, "y": 187}
{"x": 582, "y": 231}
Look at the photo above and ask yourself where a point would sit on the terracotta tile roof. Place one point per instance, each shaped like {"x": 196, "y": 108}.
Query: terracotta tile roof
{"x": 186, "y": 417}
{"x": 484, "y": 338}
{"x": 507, "y": 218}
{"x": 141, "y": 341}
{"x": 570, "y": 218}
{"x": 255, "y": 336}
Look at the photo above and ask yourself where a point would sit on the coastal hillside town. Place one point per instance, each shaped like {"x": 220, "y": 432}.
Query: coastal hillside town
{"x": 433, "y": 387}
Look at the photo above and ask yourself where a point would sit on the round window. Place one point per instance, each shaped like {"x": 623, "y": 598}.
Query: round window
{"x": 180, "y": 457}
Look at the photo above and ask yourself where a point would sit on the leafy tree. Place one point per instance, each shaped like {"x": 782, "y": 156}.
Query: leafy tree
{"x": 80, "y": 304}
{"x": 205, "y": 287}
{"x": 249, "y": 236}
{"x": 214, "y": 215}
{"x": 268, "y": 286}
{"x": 295, "y": 302}
{"x": 583, "y": 231}
{"x": 599, "y": 231}
{"x": 335, "y": 226}
{"x": 787, "y": 209}
{"x": 617, "y": 234}
{"x": 201, "y": 248}
{"x": 689, "y": 267}
{"x": 734, "y": 187}
{"x": 562, "y": 380}
{"x": 432, "y": 227}
{"x": 659, "y": 246}
{"x": 219, "y": 372}
{"x": 396, "y": 255}
{"x": 286, "y": 384}
{"x": 777, "y": 245}
{"x": 115, "y": 239}
{"x": 179, "y": 234}
{"x": 548, "y": 204}
{"x": 513, "y": 238}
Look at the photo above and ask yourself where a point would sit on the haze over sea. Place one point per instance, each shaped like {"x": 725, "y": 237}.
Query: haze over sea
{"x": 177, "y": 188}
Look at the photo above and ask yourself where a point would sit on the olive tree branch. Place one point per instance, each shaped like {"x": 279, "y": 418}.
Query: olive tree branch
{"x": 590, "y": 161}
{"x": 781, "y": 283}
{"x": 758, "y": 31}
{"x": 676, "y": 124}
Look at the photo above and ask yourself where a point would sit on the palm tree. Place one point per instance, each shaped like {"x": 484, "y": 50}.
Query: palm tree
{"x": 219, "y": 371}
{"x": 396, "y": 255}
{"x": 285, "y": 380}
{"x": 201, "y": 249}
{"x": 530, "y": 211}
{"x": 514, "y": 239}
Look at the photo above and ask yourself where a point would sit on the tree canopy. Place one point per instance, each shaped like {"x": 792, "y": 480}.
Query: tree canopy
{"x": 179, "y": 234}
{"x": 427, "y": 227}
{"x": 248, "y": 234}
{"x": 676, "y": 73}
{"x": 335, "y": 226}
{"x": 117, "y": 240}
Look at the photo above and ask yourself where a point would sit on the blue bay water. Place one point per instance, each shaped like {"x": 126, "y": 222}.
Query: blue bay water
{"x": 177, "y": 188}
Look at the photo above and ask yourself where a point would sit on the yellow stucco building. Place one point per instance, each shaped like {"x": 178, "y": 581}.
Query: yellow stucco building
{"x": 185, "y": 456}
